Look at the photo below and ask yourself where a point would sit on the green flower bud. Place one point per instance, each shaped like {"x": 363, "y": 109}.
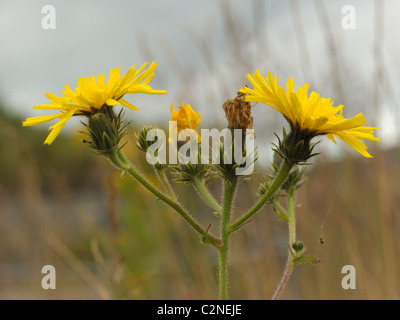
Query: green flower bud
{"x": 298, "y": 246}
{"x": 190, "y": 171}
{"x": 143, "y": 142}
{"x": 296, "y": 146}
{"x": 144, "y": 139}
{"x": 105, "y": 131}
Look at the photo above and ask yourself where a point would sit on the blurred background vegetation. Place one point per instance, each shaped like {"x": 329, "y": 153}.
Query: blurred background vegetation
{"x": 108, "y": 238}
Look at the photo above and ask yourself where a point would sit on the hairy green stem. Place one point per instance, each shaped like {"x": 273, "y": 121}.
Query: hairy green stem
{"x": 166, "y": 184}
{"x": 291, "y": 201}
{"x": 223, "y": 250}
{"x": 276, "y": 184}
{"x": 121, "y": 162}
{"x": 279, "y": 210}
{"x": 207, "y": 197}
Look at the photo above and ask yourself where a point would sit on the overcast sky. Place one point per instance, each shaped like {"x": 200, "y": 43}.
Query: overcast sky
{"x": 199, "y": 62}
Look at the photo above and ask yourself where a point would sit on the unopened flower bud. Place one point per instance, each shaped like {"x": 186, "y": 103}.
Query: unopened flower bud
{"x": 144, "y": 139}
{"x": 105, "y": 130}
{"x": 298, "y": 246}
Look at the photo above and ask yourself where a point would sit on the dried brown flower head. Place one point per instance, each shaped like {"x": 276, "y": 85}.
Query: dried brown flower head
{"x": 238, "y": 112}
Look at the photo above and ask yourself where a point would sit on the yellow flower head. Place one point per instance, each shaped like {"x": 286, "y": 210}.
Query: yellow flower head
{"x": 185, "y": 117}
{"x": 92, "y": 94}
{"x": 312, "y": 114}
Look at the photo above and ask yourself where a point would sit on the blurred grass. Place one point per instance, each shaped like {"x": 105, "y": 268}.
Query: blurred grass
{"x": 108, "y": 238}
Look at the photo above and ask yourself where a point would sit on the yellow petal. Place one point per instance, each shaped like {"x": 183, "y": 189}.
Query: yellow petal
{"x": 112, "y": 102}
{"x": 55, "y": 99}
{"x": 46, "y": 107}
{"x": 138, "y": 88}
{"x": 127, "y": 104}
{"x": 41, "y": 119}
{"x": 354, "y": 143}
{"x": 55, "y": 130}
{"x": 331, "y": 137}
{"x": 114, "y": 77}
{"x": 364, "y": 136}
{"x": 366, "y": 129}
{"x": 158, "y": 91}
{"x": 347, "y": 124}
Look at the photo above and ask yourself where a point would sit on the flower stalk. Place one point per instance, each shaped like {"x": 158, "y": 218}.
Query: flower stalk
{"x": 280, "y": 178}
{"x": 164, "y": 180}
{"x": 292, "y": 254}
{"x": 120, "y": 161}
{"x": 223, "y": 250}
{"x": 207, "y": 197}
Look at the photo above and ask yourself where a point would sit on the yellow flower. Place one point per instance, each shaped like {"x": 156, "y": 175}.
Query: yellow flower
{"x": 92, "y": 94}
{"x": 185, "y": 117}
{"x": 312, "y": 114}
